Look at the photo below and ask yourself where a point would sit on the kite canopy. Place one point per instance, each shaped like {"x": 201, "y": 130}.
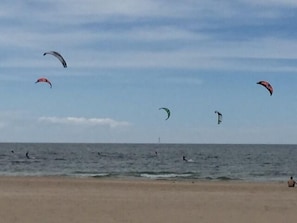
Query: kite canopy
{"x": 267, "y": 86}
{"x": 168, "y": 112}
{"x": 43, "y": 79}
{"x": 59, "y": 56}
{"x": 220, "y": 117}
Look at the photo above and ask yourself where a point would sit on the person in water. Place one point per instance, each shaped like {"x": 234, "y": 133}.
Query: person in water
{"x": 291, "y": 182}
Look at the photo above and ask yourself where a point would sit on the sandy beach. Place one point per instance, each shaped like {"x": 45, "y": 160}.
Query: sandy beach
{"x": 52, "y": 199}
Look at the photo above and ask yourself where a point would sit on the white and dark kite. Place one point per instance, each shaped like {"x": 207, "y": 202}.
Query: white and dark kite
{"x": 220, "y": 117}
{"x": 59, "y": 56}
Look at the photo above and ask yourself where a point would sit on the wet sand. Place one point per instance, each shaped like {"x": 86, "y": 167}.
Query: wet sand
{"x": 54, "y": 199}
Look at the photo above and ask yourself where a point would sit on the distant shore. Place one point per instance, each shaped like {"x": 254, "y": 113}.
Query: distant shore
{"x": 62, "y": 200}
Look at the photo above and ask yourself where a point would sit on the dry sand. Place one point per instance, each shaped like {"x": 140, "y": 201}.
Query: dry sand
{"x": 47, "y": 199}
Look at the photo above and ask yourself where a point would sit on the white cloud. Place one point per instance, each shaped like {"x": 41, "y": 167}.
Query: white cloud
{"x": 77, "y": 12}
{"x": 272, "y": 3}
{"x": 146, "y": 33}
{"x": 152, "y": 45}
{"x": 84, "y": 121}
{"x": 126, "y": 7}
{"x": 159, "y": 45}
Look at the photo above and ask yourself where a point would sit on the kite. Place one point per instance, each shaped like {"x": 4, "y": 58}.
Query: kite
{"x": 267, "y": 86}
{"x": 43, "y": 79}
{"x": 168, "y": 112}
{"x": 59, "y": 56}
{"x": 220, "y": 117}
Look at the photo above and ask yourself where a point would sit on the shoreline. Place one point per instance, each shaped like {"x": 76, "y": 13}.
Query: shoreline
{"x": 64, "y": 199}
{"x": 151, "y": 177}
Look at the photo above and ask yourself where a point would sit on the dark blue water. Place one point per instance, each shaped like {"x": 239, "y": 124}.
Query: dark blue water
{"x": 205, "y": 162}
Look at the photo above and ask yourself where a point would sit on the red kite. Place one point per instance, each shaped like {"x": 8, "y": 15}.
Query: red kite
{"x": 267, "y": 85}
{"x": 43, "y": 79}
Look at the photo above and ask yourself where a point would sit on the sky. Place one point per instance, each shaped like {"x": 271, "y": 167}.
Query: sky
{"x": 128, "y": 58}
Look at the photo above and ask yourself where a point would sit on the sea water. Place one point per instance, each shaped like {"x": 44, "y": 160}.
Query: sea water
{"x": 150, "y": 161}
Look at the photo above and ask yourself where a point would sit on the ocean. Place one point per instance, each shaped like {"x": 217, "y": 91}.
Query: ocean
{"x": 215, "y": 162}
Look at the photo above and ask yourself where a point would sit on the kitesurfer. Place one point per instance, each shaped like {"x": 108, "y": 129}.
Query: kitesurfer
{"x": 184, "y": 159}
{"x": 27, "y": 155}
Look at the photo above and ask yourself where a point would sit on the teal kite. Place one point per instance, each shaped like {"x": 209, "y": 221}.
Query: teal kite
{"x": 168, "y": 112}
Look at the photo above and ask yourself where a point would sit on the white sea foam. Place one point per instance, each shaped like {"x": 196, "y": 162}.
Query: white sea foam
{"x": 164, "y": 176}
